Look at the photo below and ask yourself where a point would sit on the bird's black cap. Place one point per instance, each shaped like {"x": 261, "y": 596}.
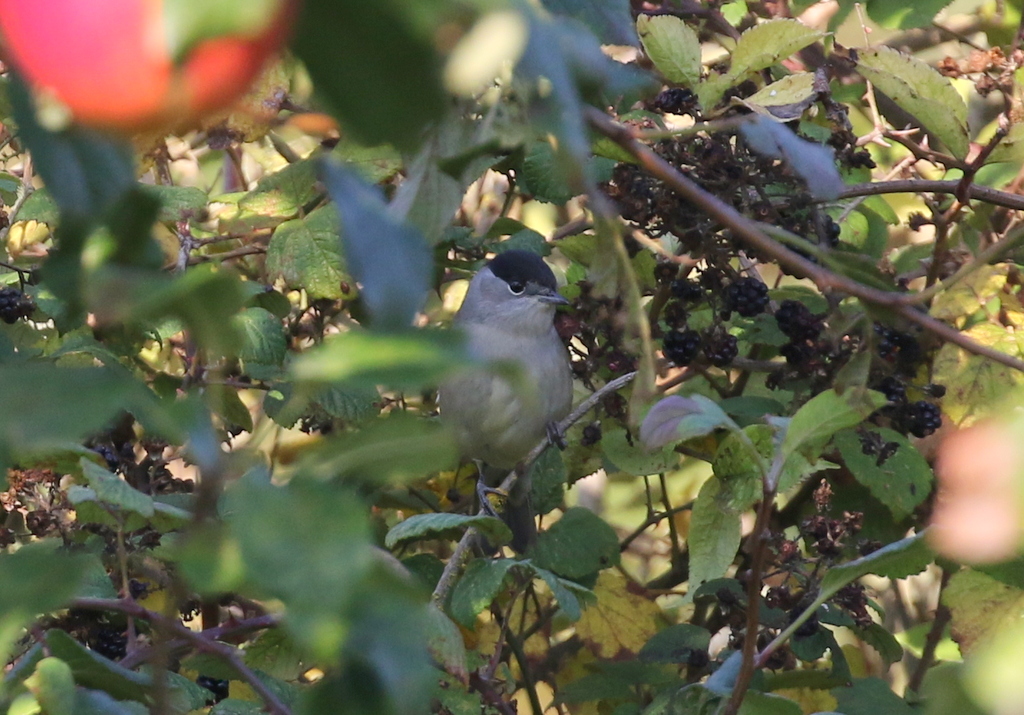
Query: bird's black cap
{"x": 523, "y": 266}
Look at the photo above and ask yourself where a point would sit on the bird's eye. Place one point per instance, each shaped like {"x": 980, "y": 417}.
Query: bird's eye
{"x": 517, "y": 287}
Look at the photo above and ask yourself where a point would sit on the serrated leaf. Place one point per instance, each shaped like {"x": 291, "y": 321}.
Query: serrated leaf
{"x": 178, "y": 203}
{"x": 900, "y": 559}
{"x": 901, "y": 482}
{"x": 785, "y": 99}
{"x": 477, "y": 588}
{"x": 870, "y": 696}
{"x": 264, "y": 341}
{"x": 823, "y": 415}
{"x": 676, "y": 643}
{"x": 577, "y": 545}
{"x": 974, "y": 384}
{"x": 446, "y": 526}
{"x": 547, "y": 479}
{"x": 284, "y": 193}
{"x": 677, "y": 418}
{"x": 563, "y": 591}
{"x": 673, "y": 47}
{"x": 390, "y": 259}
{"x": 981, "y": 608}
{"x": 633, "y": 458}
{"x": 621, "y": 620}
{"x": 445, "y": 644}
{"x": 306, "y": 253}
{"x": 542, "y": 175}
{"x": 920, "y": 90}
{"x": 768, "y": 43}
{"x": 714, "y": 536}
{"x": 115, "y": 492}
{"x": 885, "y": 644}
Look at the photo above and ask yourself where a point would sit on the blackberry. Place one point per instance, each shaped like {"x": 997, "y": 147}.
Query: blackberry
{"x": 675, "y": 314}
{"x": 797, "y": 322}
{"x": 218, "y": 688}
{"x": 687, "y": 291}
{"x": 110, "y": 642}
{"x": 893, "y": 389}
{"x": 591, "y": 434}
{"x": 676, "y": 101}
{"x": 14, "y": 305}
{"x": 109, "y": 456}
{"x": 832, "y": 232}
{"x": 746, "y": 296}
{"x": 797, "y": 353}
{"x": 681, "y": 347}
{"x": 898, "y": 347}
{"x": 721, "y": 349}
{"x": 920, "y": 418}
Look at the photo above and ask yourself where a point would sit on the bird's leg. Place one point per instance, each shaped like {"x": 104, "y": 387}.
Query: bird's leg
{"x": 555, "y": 435}
{"x": 483, "y": 491}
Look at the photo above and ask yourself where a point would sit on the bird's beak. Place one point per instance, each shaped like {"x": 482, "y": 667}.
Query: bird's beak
{"x": 552, "y": 298}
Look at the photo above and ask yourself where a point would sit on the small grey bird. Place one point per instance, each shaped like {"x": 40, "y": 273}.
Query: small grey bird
{"x": 508, "y": 316}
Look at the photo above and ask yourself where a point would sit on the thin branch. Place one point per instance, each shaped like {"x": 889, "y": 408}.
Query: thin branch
{"x": 747, "y": 231}
{"x": 461, "y": 553}
{"x": 250, "y": 250}
{"x": 918, "y": 186}
{"x": 218, "y": 633}
{"x": 198, "y": 640}
{"x": 651, "y": 520}
{"x": 932, "y": 640}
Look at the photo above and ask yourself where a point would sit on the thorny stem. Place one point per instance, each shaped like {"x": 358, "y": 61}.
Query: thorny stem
{"x": 759, "y": 544}
{"x": 462, "y": 549}
{"x": 747, "y": 231}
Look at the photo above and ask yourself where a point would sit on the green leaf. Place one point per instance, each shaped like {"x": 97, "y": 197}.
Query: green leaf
{"x": 894, "y": 15}
{"x": 374, "y": 163}
{"x": 282, "y": 531}
{"x": 543, "y": 177}
{"x": 631, "y": 457}
{"x": 982, "y": 608}
{"x": 577, "y": 545}
{"x": 672, "y": 46}
{"x": 564, "y": 592}
{"x": 676, "y": 643}
{"x": 677, "y": 419}
{"x": 445, "y": 644}
{"x": 94, "y": 671}
{"x": 264, "y": 342}
{"x": 822, "y": 416}
{"x": 177, "y": 203}
{"x": 39, "y": 206}
{"x": 885, "y": 644}
{"x": 897, "y": 560}
{"x": 283, "y": 194}
{"x": 371, "y": 62}
{"x": 306, "y": 253}
{"x": 870, "y": 696}
{"x": 714, "y": 536}
{"x": 770, "y": 42}
{"x": 445, "y": 526}
{"x": 54, "y": 686}
{"x": 920, "y": 90}
{"x": 477, "y": 588}
{"x": 547, "y": 480}
{"x": 97, "y": 702}
{"x": 901, "y": 482}
{"x": 409, "y": 360}
{"x": 390, "y": 259}
{"x": 755, "y": 703}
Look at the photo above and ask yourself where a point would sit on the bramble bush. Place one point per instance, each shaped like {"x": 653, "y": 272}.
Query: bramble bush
{"x": 789, "y": 233}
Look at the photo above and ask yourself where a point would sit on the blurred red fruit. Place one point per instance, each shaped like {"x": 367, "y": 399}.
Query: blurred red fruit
{"x": 109, "y": 61}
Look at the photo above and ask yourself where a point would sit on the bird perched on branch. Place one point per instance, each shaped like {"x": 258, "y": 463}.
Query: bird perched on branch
{"x": 508, "y": 317}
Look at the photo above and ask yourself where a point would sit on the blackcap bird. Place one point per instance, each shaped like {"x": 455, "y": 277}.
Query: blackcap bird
{"x": 508, "y": 317}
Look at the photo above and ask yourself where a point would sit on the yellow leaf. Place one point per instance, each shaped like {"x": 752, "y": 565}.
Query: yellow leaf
{"x": 621, "y": 622}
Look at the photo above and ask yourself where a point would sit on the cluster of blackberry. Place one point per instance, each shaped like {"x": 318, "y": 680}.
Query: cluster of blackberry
{"x": 14, "y": 305}
{"x": 802, "y": 327}
{"x": 920, "y": 417}
{"x": 746, "y": 296}
{"x": 218, "y": 688}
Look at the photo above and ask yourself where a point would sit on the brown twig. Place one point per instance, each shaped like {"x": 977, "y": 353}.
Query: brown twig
{"x": 918, "y": 186}
{"x": 932, "y": 640}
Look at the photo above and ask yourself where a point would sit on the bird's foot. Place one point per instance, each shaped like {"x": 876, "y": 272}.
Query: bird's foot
{"x": 555, "y": 435}
{"x": 483, "y": 495}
